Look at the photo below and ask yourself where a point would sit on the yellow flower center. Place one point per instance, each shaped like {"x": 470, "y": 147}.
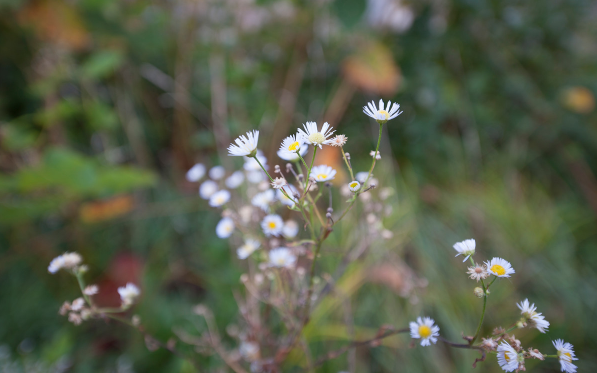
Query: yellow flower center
{"x": 496, "y": 268}
{"x": 566, "y": 356}
{"x": 316, "y": 138}
{"x": 280, "y": 260}
{"x": 271, "y": 224}
{"x": 353, "y": 184}
{"x": 384, "y": 113}
{"x": 321, "y": 176}
{"x": 424, "y": 331}
{"x": 506, "y": 357}
{"x": 294, "y": 146}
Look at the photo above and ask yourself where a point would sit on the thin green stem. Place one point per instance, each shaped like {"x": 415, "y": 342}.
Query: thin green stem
{"x": 272, "y": 180}
{"x": 482, "y": 313}
{"x": 82, "y": 287}
{"x": 347, "y": 163}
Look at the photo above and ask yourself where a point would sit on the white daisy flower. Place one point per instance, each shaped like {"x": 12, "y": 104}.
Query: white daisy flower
{"x": 252, "y": 165}
{"x": 339, "y": 140}
{"x": 217, "y": 172}
{"x": 314, "y": 137}
{"x": 272, "y": 225}
{"x": 196, "y": 173}
{"x": 289, "y": 147}
{"x": 508, "y": 358}
{"x": 219, "y": 198}
{"x": 291, "y": 191}
{"x": 466, "y": 248}
{"x": 291, "y": 229}
{"x": 65, "y": 261}
{"x": 499, "y": 267}
{"x": 478, "y": 272}
{"x": 362, "y": 176}
{"x": 278, "y": 183}
{"x": 534, "y": 318}
{"x": 255, "y": 177}
{"x": 225, "y": 228}
{"x": 322, "y": 173}
{"x": 382, "y": 115}
{"x": 263, "y": 199}
{"x": 281, "y": 257}
{"x": 375, "y": 154}
{"x": 208, "y": 188}
{"x": 425, "y": 329}
{"x": 354, "y": 186}
{"x": 248, "y": 248}
{"x": 565, "y": 355}
{"x": 245, "y": 146}
{"x": 235, "y": 180}
{"x": 128, "y": 293}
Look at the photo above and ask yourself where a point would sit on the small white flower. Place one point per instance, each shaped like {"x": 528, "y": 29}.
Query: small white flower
{"x": 339, "y": 140}
{"x": 354, "y": 186}
{"x": 322, "y": 173}
{"x": 217, "y": 172}
{"x": 196, "y": 173}
{"x": 536, "y": 354}
{"x": 466, "y": 248}
{"x": 291, "y": 191}
{"x": 235, "y": 180}
{"x": 249, "y": 351}
{"x": 272, "y": 225}
{"x": 263, "y": 199}
{"x": 91, "y": 290}
{"x": 478, "y": 272}
{"x": 208, "y": 188}
{"x": 248, "y": 248}
{"x": 362, "y": 176}
{"x": 245, "y": 146}
{"x": 77, "y": 304}
{"x": 281, "y": 257}
{"x": 278, "y": 183}
{"x": 375, "y": 154}
{"x": 565, "y": 355}
{"x": 255, "y": 177}
{"x": 219, "y": 198}
{"x": 499, "y": 267}
{"x": 381, "y": 115}
{"x": 508, "y": 358}
{"x": 128, "y": 293}
{"x": 291, "y": 229}
{"x": 314, "y": 137}
{"x": 289, "y": 147}
{"x": 534, "y": 318}
{"x": 252, "y": 165}
{"x": 225, "y": 228}
{"x": 425, "y": 329}
{"x": 65, "y": 261}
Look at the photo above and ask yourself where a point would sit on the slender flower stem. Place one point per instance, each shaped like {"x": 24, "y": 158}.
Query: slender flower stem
{"x": 82, "y": 286}
{"x": 347, "y": 163}
{"x": 484, "y": 307}
{"x": 272, "y": 180}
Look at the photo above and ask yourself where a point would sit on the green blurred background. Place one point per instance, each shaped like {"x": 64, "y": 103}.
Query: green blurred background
{"x": 105, "y": 104}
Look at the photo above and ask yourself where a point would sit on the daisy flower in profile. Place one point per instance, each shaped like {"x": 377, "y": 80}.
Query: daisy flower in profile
{"x": 225, "y": 228}
{"x": 424, "y": 329}
{"x": 278, "y": 183}
{"x": 291, "y": 191}
{"x": 478, "y": 272}
{"x": 263, "y": 199}
{"x": 466, "y": 248}
{"x": 339, "y": 140}
{"x": 290, "y": 146}
{"x": 235, "y": 180}
{"x": 565, "y": 355}
{"x": 245, "y": 145}
{"x": 291, "y": 229}
{"x": 508, "y": 358}
{"x": 65, "y": 261}
{"x": 382, "y": 115}
{"x": 534, "y": 318}
{"x": 354, "y": 186}
{"x": 219, "y": 198}
{"x": 217, "y": 172}
{"x": 248, "y": 248}
{"x": 499, "y": 267}
{"x": 196, "y": 172}
{"x": 272, "y": 225}
{"x": 208, "y": 188}
{"x": 128, "y": 293}
{"x": 322, "y": 173}
{"x": 281, "y": 257}
{"x": 314, "y": 137}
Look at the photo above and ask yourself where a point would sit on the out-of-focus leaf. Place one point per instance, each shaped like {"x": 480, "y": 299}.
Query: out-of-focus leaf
{"x": 100, "y": 116}
{"x": 373, "y": 69}
{"x": 349, "y": 12}
{"x": 15, "y": 136}
{"x": 102, "y": 64}
{"x": 107, "y": 209}
{"x": 578, "y": 99}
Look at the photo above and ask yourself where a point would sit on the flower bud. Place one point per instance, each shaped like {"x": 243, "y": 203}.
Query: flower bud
{"x": 478, "y": 292}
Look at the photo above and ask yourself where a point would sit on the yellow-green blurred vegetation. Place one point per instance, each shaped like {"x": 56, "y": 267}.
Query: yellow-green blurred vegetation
{"x": 105, "y": 104}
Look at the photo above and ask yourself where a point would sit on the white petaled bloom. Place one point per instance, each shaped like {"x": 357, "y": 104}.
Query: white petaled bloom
{"x": 362, "y": 176}
{"x": 272, "y": 225}
{"x": 375, "y": 154}
{"x": 77, "y": 304}
{"x": 291, "y": 191}
{"x": 281, "y": 257}
{"x": 249, "y": 351}
{"x": 478, "y": 272}
{"x": 128, "y": 293}
{"x": 252, "y": 165}
{"x": 278, "y": 183}
{"x": 245, "y": 145}
{"x": 508, "y": 358}
{"x": 91, "y": 290}
{"x": 424, "y": 329}
{"x": 354, "y": 186}
{"x": 290, "y": 146}
{"x": 196, "y": 173}
{"x": 314, "y": 137}
{"x": 534, "y": 318}
{"x": 219, "y": 198}
{"x": 225, "y": 228}
{"x": 65, "y": 261}
{"x": 235, "y": 180}
{"x": 499, "y": 267}
{"x": 339, "y": 140}
{"x": 382, "y": 115}
{"x": 263, "y": 199}
{"x": 248, "y": 248}
{"x": 217, "y": 172}
{"x": 208, "y": 188}
{"x": 565, "y": 355}
{"x": 322, "y": 173}
{"x": 466, "y": 248}
{"x": 291, "y": 229}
